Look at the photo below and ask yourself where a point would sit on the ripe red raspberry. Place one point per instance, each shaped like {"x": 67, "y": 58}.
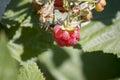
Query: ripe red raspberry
{"x": 65, "y": 37}
{"x": 59, "y": 5}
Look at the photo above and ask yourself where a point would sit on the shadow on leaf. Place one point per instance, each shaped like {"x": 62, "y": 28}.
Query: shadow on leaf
{"x": 109, "y": 13}
{"x": 35, "y": 41}
{"x": 16, "y": 12}
{"x": 59, "y": 56}
{"x": 100, "y": 66}
{"x": 45, "y": 71}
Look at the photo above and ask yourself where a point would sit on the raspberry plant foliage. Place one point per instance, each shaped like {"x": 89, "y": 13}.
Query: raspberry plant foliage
{"x": 101, "y": 34}
{"x": 8, "y": 64}
{"x": 104, "y": 34}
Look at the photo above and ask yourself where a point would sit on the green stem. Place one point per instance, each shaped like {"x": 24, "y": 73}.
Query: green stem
{"x": 53, "y": 21}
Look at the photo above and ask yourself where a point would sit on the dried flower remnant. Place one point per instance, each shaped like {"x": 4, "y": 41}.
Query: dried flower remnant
{"x": 66, "y": 33}
{"x": 45, "y": 12}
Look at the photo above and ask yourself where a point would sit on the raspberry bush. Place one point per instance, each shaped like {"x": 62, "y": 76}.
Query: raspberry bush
{"x": 35, "y": 36}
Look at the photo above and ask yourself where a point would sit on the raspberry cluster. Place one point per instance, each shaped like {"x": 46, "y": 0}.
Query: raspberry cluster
{"x": 65, "y": 32}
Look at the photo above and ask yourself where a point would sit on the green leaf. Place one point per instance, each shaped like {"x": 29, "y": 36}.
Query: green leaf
{"x": 70, "y": 63}
{"x": 30, "y": 71}
{"x": 8, "y": 65}
{"x": 16, "y": 49}
{"x": 20, "y": 13}
{"x": 31, "y": 38}
{"x": 3, "y": 5}
{"x": 103, "y": 32}
{"x": 28, "y": 42}
{"x": 13, "y": 34}
{"x": 62, "y": 63}
{"x": 34, "y": 41}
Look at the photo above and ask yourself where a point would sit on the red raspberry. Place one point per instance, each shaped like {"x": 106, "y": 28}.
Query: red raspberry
{"x": 59, "y": 5}
{"x": 63, "y": 10}
{"x": 65, "y": 37}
